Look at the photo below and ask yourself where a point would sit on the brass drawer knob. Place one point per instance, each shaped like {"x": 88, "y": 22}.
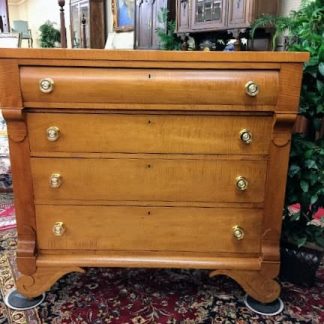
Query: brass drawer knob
{"x": 53, "y": 133}
{"x": 55, "y": 180}
{"x": 46, "y": 85}
{"x": 246, "y": 136}
{"x": 58, "y": 229}
{"x": 238, "y": 232}
{"x": 241, "y": 183}
{"x": 251, "y": 88}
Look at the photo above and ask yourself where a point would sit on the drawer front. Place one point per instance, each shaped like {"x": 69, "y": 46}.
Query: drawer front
{"x": 148, "y": 86}
{"x": 153, "y": 179}
{"x": 115, "y": 133}
{"x": 148, "y": 229}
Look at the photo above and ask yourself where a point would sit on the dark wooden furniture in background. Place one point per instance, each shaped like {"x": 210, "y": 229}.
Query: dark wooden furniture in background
{"x": 4, "y": 17}
{"x": 61, "y": 4}
{"x": 149, "y": 159}
{"x": 93, "y": 13}
{"x": 210, "y": 15}
{"x": 146, "y": 21}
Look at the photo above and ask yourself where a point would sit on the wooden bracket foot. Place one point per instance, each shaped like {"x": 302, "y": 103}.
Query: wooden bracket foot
{"x": 255, "y": 284}
{"x": 42, "y": 280}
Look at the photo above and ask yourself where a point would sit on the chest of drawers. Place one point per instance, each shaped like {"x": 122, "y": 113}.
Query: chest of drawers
{"x": 149, "y": 159}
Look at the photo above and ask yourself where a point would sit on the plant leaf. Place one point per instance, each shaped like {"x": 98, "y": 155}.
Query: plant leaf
{"x": 321, "y": 68}
{"x": 304, "y": 185}
{"x": 293, "y": 170}
{"x": 320, "y": 240}
{"x": 295, "y": 216}
{"x": 311, "y": 164}
{"x": 314, "y": 199}
{"x": 301, "y": 241}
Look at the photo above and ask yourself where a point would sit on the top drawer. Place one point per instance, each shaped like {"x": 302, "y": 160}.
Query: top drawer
{"x": 148, "y": 86}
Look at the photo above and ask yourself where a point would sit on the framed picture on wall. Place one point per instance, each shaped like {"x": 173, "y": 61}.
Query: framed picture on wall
{"x": 123, "y": 15}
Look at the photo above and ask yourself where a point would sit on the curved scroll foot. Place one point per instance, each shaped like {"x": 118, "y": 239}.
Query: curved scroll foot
{"x": 255, "y": 284}
{"x": 42, "y": 280}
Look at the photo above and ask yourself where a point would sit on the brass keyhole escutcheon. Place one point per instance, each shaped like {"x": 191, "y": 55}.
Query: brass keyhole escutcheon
{"x": 241, "y": 183}
{"x": 246, "y": 136}
{"x": 46, "y": 85}
{"x": 55, "y": 180}
{"x": 53, "y": 133}
{"x": 58, "y": 229}
{"x": 238, "y": 232}
{"x": 251, "y": 88}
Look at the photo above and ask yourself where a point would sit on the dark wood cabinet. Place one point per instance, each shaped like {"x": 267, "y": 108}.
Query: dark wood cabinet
{"x": 4, "y": 17}
{"x": 146, "y": 21}
{"x": 87, "y": 23}
{"x": 183, "y": 16}
{"x": 209, "y": 15}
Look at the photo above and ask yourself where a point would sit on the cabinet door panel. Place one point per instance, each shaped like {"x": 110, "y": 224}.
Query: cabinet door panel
{"x": 238, "y": 13}
{"x": 208, "y": 14}
{"x": 144, "y": 13}
{"x": 183, "y": 15}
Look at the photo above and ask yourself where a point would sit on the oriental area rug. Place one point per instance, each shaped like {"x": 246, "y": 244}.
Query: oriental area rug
{"x": 7, "y": 212}
{"x": 140, "y": 296}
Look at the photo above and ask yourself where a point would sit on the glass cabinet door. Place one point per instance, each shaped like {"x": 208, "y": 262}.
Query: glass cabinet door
{"x": 80, "y": 12}
{"x": 75, "y": 27}
{"x": 208, "y": 14}
{"x": 85, "y": 17}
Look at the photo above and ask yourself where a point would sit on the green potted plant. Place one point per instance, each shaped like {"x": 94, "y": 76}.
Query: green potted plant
{"x": 167, "y": 36}
{"x": 303, "y": 217}
{"x": 49, "y": 35}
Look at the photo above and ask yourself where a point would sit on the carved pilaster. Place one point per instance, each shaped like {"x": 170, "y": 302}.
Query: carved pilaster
{"x": 276, "y": 178}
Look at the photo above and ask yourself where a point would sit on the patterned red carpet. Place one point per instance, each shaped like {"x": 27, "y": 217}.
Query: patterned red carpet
{"x": 7, "y": 216}
{"x": 151, "y": 296}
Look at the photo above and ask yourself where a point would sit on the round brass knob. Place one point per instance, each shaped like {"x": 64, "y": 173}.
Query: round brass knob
{"x": 251, "y": 88}
{"x": 53, "y": 133}
{"x": 58, "y": 229}
{"x": 241, "y": 183}
{"x": 55, "y": 180}
{"x": 238, "y": 232}
{"x": 246, "y": 136}
{"x": 46, "y": 85}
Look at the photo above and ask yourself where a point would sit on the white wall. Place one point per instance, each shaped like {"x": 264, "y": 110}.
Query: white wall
{"x": 36, "y": 12}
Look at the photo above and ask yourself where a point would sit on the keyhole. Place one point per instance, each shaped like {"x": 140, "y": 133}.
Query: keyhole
{"x": 149, "y": 76}
{"x": 148, "y": 213}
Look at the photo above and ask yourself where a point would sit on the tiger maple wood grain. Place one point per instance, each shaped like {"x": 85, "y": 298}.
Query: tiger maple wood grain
{"x": 149, "y": 152}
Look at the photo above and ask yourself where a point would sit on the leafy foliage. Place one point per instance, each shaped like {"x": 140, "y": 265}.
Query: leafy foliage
{"x": 49, "y": 35}
{"x": 305, "y": 183}
{"x": 168, "y": 38}
{"x": 281, "y": 24}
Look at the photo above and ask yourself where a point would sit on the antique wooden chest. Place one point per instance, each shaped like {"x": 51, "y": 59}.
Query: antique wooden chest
{"x": 149, "y": 159}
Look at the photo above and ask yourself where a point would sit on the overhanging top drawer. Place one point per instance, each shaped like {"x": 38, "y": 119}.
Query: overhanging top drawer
{"x": 148, "y": 86}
